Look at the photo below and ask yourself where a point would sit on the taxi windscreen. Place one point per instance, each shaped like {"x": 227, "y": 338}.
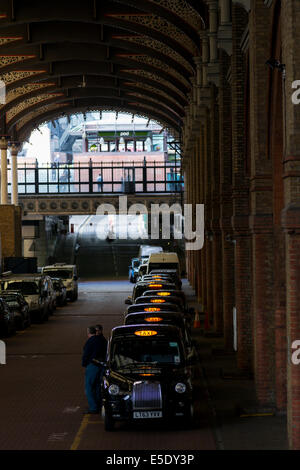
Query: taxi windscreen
{"x": 27, "y": 288}
{"x": 131, "y": 352}
{"x": 62, "y": 273}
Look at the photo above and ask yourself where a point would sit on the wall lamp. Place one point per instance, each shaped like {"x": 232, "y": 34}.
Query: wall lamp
{"x": 276, "y": 64}
{"x": 229, "y": 239}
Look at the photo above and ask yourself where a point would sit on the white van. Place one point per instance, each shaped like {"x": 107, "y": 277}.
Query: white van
{"x": 146, "y": 250}
{"x": 68, "y": 274}
{"x": 163, "y": 261}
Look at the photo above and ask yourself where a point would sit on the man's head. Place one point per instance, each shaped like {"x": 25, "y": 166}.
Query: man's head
{"x": 99, "y": 330}
{"x": 91, "y": 331}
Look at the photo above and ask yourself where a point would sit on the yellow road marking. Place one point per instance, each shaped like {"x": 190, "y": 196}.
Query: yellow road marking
{"x": 76, "y": 442}
{"x": 256, "y": 414}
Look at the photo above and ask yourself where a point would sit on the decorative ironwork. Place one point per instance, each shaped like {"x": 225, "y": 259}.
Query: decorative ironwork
{"x": 154, "y": 100}
{"x": 146, "y": 59}
{"x": 27, "y": 103}
{"x": 7, "y": 40}
{"x": 145, "y": 86}
{"x": 183, "y": 10}
{"x": 17, "y": 75}
{"x": 159, "y": 24}
{"x": 156, "y": 78}
{"x": 35, "y": 114}
{"x": 160, "y": 47}
{"x": 6, "y": 60}
{"x": 25, "y": 89}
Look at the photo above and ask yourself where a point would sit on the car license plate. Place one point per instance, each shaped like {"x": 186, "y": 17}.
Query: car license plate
{"x": 147, "y": 414}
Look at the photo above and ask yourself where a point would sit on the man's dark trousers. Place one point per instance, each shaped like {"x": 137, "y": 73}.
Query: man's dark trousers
{"x": 93, "y": 375}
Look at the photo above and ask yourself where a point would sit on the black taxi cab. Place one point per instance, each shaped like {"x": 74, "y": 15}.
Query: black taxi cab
{"x": 167, "y": 293}
{"x": 152, "y": 298}
{"x": 163, "y": 317}
{"x": 149, "y": 307}
{"x": 169, "y": 272}
{"x": 141, "y": 287}
{"x": 148, "y": 375}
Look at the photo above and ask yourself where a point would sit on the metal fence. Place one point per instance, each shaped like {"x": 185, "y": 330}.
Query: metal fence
{"x": 107, "y": 178}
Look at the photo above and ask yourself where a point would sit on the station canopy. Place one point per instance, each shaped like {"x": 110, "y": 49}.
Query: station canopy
{"x": 59, "y": 58}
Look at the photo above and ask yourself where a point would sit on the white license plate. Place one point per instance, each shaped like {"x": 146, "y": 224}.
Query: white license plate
{"x": 147, "y": 414}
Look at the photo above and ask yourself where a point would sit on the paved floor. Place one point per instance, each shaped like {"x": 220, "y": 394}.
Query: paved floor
{"x": 42, "y": 384}
{"x": 42, "y": 392}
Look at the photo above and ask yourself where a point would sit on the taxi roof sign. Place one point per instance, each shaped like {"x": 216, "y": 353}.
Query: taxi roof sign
{"x": 152, "y": 309}
{"x": 153, "y": 319}
{"x": 163, "y": 294}
{"x": 145, "y": 332}
{"x": 157, "y": 301}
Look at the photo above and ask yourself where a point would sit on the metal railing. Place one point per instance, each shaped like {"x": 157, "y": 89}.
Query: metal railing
{"x": 105, "y": 177}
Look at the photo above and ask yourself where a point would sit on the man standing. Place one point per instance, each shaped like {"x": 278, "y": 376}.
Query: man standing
{"x": 100, "y": 183}
{"x": 94, "y": 351}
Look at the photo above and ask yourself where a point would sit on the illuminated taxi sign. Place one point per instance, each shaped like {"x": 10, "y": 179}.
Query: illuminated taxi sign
{"x": 155, "y": 285}
{"x": 146, "y": 375}
{"x": 163, "y": 294}
{"x": 153, "y": 319}
{"x": 152, "y": 309}
{"x": 157, "y": 301}
{"x": 145, "y": 333}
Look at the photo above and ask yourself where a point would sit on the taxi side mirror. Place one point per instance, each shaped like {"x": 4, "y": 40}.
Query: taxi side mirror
{"x": 75, "y": 278}
{"x": 128, "y": 301}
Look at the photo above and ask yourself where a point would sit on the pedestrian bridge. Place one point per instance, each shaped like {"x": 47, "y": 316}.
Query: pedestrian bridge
{"x": 81, "y": 188}
{"x": 84, "y": 204}
{"x": 103, "y": 178}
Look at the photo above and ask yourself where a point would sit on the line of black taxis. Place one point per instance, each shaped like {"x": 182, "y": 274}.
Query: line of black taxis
{"x": 152, "y": 364}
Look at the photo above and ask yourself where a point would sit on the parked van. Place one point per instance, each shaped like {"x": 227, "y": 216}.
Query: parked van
{"x": 146, "y": 250}
{"x": 68, "y": 274}
{"x": 163, "y": 261}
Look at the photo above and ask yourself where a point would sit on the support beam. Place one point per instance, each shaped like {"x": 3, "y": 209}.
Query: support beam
{"x": 3, "y": 148}
{"x": 14, "y": 150}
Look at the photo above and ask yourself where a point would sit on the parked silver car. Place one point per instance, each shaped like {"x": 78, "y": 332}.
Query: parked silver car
{"x": 37, "y": 290}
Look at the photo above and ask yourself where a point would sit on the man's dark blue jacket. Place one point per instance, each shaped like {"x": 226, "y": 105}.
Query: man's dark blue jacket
{"x": 94, "y": 348}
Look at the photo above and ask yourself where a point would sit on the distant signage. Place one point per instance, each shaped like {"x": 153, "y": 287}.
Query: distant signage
{"x": 113, "y": 135}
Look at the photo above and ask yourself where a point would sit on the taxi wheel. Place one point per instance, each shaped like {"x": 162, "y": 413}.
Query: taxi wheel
{"x": 21, "y": 324}
{"x": 74, "y": 297}
{"x": 109, "y": 423}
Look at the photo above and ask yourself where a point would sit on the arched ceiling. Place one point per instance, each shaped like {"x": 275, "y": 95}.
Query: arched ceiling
{"x": 62, "y": 57}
